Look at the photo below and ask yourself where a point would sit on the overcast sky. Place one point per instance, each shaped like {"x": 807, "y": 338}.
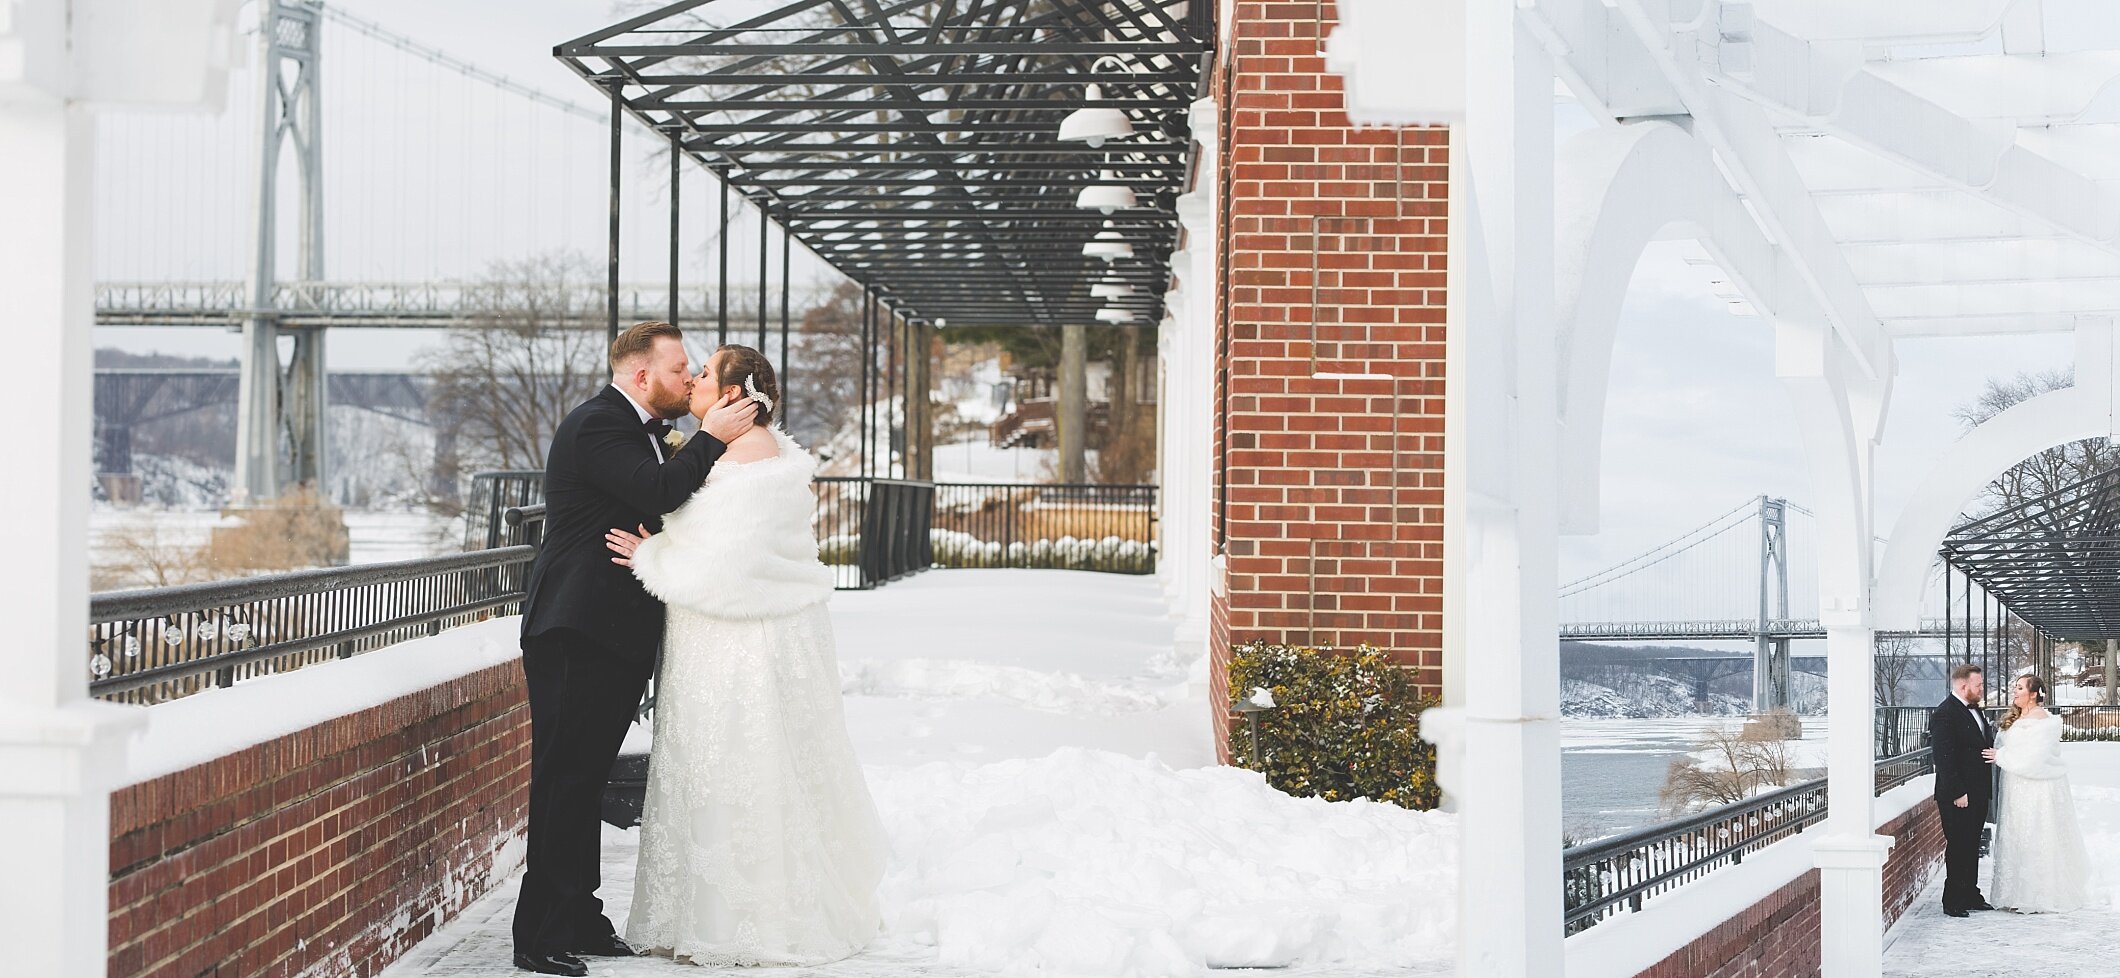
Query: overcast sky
{"x": 1696, "y": 421}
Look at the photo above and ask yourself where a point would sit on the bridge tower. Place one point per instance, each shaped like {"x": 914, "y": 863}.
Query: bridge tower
{"x": 1770, "y": 654}
{"x": 268, "y": 401}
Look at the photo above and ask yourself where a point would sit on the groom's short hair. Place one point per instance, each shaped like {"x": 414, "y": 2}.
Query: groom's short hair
{"x": 1964, "y": 671}
{"x": 638, "y": 339}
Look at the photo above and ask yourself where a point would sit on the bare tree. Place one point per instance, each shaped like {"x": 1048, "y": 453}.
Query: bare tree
{"x": 503, "y": 382}
{"x": 2050, "y": 469}
{"x": 1894, "y": 663}
{"x": 1736, "y": 768}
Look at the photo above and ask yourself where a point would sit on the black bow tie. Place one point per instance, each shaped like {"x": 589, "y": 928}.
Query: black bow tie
{"x": 656, "y": 426}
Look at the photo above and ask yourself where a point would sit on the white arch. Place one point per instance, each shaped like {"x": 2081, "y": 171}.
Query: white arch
{"x": 2055, "y": 418}
{"x": 1620, "y": 189}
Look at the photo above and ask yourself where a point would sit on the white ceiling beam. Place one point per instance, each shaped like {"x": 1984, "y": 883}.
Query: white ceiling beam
{"x": 1749, "y": 152}
{"x": 1961, "y": 326}
{"x": 1994, "y": 299}
{"x": 1593, "y": 55}
{"x": 1887, "y": 21}
{"x": 2023, "y": 89}
{"x": 1794, "y": 75}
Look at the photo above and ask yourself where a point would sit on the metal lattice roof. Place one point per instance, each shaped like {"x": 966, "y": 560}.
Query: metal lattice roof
{"x": 914, "y": 145}
{"x": 2054, "y": 560}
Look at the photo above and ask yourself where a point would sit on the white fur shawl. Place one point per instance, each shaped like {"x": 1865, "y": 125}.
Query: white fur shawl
{"x": 742, "y": 546}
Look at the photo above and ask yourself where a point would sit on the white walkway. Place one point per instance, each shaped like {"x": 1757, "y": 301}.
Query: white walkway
{"x": 1043, "y": 767}
{"x": 1927, "y": 944}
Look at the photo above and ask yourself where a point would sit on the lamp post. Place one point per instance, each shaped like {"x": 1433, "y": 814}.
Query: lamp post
{"x": 1250, "y": 707}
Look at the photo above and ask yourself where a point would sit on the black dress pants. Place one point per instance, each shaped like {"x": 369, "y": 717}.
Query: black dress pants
{"x": 582, "y": 698}
{"x": 1961, "y": 852}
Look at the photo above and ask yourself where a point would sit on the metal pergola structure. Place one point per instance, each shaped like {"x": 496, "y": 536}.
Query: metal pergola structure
{"x": 2052, "y": 562}
{"x": 913, "y": 144}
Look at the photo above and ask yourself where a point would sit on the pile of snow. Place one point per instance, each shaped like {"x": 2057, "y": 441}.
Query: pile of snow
{"x": 1051, "y": 691}
{"x": 1091, "y": 863}
{"x": 1644, "y": 695}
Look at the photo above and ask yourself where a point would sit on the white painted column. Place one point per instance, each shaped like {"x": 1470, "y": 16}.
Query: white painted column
{"x": 1501, "y": 477}
{"x": 57, "y": 749}
{"x": 1187, "y": 412}
{"x": 1840, "y": 414}
{"x": 61, "y": 752}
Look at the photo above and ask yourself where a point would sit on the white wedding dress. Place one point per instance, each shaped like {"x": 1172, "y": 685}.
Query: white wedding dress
{"x": 2040, "y": 861}
{"x": 759, "y": 844}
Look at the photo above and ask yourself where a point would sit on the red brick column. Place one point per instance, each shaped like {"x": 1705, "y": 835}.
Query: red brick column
{"x": 1330, "y": 358}
{"x": 329, "y": 851}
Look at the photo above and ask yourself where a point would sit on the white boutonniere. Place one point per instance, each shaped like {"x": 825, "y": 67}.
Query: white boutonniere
{"x": 675, "y": 439}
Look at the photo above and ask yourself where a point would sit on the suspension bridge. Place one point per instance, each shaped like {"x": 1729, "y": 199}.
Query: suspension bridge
{"x": 1747, "y": 575}
{"x": 361, "y": 178}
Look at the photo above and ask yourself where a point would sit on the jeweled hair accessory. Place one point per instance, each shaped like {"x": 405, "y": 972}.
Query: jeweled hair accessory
{"x": 756, "y": 394}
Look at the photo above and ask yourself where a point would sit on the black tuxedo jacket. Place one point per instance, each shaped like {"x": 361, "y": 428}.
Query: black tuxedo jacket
{"x": 1955, "y": 742}
{"x": 602, "y": 474}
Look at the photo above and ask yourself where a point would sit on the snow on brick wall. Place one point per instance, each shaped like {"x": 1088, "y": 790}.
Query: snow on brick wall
{"x": 1334, "y": 258}
{"x": 330, "y": 850}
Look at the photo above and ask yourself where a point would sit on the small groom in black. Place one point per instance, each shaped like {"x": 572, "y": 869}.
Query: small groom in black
{"x": 590, "y": 632}
{"x": 1958, "y": 733}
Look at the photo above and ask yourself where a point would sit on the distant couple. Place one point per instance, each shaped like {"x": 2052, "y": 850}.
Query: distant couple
{"x": 759, "y": 843}
{"x": 2040, "y": 862}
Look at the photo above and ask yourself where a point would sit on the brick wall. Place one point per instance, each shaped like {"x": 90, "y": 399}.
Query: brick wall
{"x": 1779, "y": 936}
{"x": 1333, "y": 254}
{"x": 329, "y": 851}
{"x": 1915, "y": 859}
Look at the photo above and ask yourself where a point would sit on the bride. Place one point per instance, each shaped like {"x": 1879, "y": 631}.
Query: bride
{"x": 759, "y": 844}
{"x": 2040, "y": 862}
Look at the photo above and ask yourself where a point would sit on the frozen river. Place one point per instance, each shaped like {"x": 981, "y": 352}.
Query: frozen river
{"x": 1611, "y": 769}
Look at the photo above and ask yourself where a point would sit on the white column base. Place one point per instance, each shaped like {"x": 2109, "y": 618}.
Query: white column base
{"x": 1851, "y": 905}
{"x": 55, "y": 809}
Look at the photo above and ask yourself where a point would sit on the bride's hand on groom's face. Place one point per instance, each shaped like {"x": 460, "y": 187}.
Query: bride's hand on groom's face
{"x": 623, "y": 544}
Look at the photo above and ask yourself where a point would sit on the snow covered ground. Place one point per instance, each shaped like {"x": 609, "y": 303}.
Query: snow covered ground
{"x": 1042, "y": 765}
{"x": 1927, "y": 944}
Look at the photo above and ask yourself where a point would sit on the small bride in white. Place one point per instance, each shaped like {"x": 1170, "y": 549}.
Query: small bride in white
{"x": 759, "y": 843}
{"x": 2041, "y": 865}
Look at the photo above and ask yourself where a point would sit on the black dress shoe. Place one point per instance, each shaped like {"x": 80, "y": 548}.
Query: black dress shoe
{"x": 1956, "y": 913}
{"x": 551, "y": 964}
{"x": 608, "y": 946}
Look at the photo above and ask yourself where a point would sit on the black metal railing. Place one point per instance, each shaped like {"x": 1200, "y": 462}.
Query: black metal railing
{"x": 1613, "y": 875}
{"x": 156, "y": 644}
{"x": 492, "y": 494}
{"x": 1907, "y": 727}
{"x": 873, "y": 531}
{"x": 1082, "y": 526}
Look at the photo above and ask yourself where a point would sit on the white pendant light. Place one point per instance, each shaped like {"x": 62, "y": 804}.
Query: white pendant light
{"x": 1093, "y": 124}
{"x": 1109, "y": 196}
{"x": 1114, "y": 316}
{"x": 1109, "y": 245}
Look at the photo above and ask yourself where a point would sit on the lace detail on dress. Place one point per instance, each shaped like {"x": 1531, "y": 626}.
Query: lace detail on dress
{"x": 759, "y": 843}
{"x": 2040, "y": 861}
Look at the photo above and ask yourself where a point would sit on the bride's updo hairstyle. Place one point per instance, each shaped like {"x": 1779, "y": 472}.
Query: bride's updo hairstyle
{"x": 749, "y": 369}
{"x": 2037, "y": 687}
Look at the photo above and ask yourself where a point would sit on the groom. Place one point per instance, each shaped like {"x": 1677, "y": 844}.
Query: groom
{"x": 590, "y": 632}
{"x": 1958, "y": 732}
